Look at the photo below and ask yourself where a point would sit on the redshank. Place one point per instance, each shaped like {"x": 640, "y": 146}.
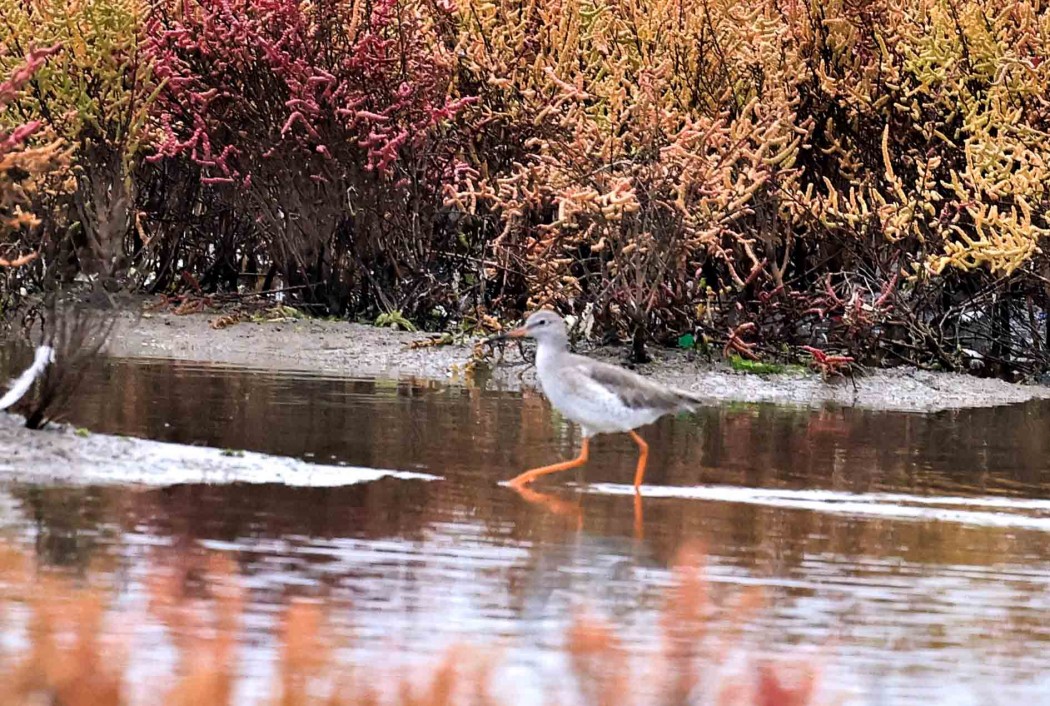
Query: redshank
{"x": 601, "y": 398}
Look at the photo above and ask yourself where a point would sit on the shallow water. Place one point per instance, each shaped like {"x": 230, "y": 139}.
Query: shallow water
{"x": 913, "y": 549}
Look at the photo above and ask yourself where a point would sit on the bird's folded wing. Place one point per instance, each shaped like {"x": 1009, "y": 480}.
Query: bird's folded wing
{"x": 633, "y": 390}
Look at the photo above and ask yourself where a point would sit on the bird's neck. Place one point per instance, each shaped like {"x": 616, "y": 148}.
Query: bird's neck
{"x": 548, "y": 351}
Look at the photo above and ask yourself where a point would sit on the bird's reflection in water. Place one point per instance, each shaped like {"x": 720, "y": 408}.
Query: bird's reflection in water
{"x": 573, "y": 509}
{"x": 585, "y": 570}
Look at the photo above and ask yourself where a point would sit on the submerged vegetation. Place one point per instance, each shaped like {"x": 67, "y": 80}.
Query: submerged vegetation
{"x": 865, "y": 179}
{"x": 75, "y": 652}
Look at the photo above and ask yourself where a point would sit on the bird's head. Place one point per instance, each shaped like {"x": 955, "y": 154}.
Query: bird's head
{"x": 545, "y": 326}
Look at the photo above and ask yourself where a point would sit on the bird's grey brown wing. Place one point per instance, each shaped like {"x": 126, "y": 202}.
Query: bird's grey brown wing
{"x": 635, "y": 391}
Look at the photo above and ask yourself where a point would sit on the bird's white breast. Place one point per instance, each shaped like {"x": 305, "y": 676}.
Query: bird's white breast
{"x": 582, "y": 400}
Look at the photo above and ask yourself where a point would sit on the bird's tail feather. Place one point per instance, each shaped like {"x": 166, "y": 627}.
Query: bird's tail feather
{"x": 691, "y": 400}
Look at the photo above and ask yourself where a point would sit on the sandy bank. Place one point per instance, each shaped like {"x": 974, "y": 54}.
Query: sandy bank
{"x": 59, "y": 455}
{"x": 341, "y": 348}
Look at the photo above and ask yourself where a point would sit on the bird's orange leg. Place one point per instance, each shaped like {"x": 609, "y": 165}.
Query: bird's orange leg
{"x": 643, "y": 456}
{"x": 529, "y": 476}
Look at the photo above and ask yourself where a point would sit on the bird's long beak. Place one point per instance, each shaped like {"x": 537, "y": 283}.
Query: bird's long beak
{"x": 515, "y": 333}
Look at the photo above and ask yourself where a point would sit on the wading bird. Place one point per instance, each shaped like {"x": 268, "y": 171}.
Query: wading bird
{"x": 601, "y": 398}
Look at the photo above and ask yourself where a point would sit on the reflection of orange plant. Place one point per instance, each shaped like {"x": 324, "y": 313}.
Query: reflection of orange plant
{"x": 599, "y": 660}
{"x": 692, "y": 650}
{"x": 70, "y": 655}
{"x": 206, "y": 655}
{"x": 684, "y": 624}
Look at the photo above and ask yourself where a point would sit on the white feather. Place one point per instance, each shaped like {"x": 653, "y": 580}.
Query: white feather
{"x": 44, "y": 356}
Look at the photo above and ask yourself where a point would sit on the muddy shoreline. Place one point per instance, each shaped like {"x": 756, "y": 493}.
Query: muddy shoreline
{"x": 347, "y": 349}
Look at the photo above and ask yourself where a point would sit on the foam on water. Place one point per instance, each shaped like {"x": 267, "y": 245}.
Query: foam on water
{"x": 1016, "y": 513}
